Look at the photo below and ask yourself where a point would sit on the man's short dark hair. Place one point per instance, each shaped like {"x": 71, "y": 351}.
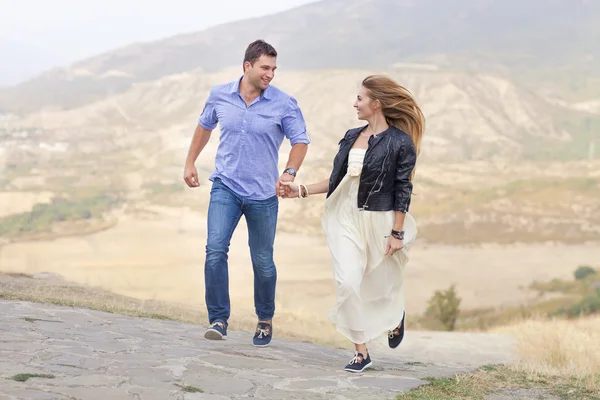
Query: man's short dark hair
{"x": 257, "y": 49}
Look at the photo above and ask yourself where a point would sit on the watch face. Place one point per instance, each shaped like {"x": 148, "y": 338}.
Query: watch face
{"x": 290, "y": 171}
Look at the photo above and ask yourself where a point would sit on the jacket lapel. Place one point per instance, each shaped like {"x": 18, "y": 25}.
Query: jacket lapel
{"x": 348, "y": 142}
{"x": 373, "y": 141}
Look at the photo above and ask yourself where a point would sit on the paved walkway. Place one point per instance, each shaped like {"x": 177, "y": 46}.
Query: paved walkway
{"x": 100, "y": 356}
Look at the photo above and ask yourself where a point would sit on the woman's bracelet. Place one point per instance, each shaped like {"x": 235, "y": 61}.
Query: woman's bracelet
{"x": 305, "y": 190}
{"x": 300, "y": 194}
{"x": 398, "y": 234}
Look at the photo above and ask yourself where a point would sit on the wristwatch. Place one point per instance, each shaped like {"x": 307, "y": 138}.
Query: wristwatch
{"x": 290, "y": 171}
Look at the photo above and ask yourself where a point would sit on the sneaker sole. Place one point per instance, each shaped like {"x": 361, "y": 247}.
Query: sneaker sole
{"x": 359, "y": 370}
{"x": 261, "y": 345}
{"x": 214, "y": 335}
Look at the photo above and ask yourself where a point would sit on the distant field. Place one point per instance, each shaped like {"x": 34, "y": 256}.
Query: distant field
{"x": 158, "y": 253}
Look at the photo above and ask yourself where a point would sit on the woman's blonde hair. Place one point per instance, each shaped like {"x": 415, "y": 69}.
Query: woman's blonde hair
{"x": 399, "y": 107}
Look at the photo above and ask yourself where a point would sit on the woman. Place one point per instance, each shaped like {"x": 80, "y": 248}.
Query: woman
{"x": 366, "y": 218}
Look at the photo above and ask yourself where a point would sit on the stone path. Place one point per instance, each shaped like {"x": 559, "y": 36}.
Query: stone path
{"x": 100, "y": 356}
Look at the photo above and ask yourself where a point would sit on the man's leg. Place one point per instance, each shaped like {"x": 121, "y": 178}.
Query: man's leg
{"x": 261, "y": 217}
{"x": 224, "y": 213}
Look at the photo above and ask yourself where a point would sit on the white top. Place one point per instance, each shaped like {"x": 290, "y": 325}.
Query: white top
{"x": 355, "y": 161}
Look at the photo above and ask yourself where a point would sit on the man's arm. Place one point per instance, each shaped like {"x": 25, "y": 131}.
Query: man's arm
{"x": 294, "y": 129}
{"x": 206, "y": 123}
{"x": 199, "y": 141}
{"x": 296, "y": 157}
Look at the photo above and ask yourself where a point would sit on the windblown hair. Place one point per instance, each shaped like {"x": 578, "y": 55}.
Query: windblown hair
{"x": 399, "y": 107}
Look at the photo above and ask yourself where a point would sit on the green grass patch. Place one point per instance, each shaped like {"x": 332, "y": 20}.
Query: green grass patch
{"x": 189, "y": 389}
{"x": 26, "y": 377}
{"x": 32, "y": 320}
{"x": 499, "y": 379}
{"x": 43, "y": 217}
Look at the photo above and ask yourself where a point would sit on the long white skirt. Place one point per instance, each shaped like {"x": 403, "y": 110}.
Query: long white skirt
{"x": 369, "y": 284}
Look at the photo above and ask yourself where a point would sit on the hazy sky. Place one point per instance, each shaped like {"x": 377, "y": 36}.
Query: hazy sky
{"x": 38, "y": 34}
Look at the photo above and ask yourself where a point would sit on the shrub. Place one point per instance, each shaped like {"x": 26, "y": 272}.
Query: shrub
{"x": 444, "y": 306}
{"x": 583, "y": 272}
{"x": 589, "y": 305}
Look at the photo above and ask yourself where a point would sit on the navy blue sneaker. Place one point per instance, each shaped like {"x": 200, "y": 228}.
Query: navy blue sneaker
{"x": 395, "y": 337}
{"x": 217, "y": 331}
{"x": 263, "y": 334}
{"x": 359, "y": 363}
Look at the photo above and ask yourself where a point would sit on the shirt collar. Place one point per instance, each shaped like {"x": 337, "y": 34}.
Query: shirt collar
{"x": 235, "y": 89}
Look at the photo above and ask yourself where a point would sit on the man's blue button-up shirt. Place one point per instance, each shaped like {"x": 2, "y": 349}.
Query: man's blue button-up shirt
{"x": 251, "y": 136}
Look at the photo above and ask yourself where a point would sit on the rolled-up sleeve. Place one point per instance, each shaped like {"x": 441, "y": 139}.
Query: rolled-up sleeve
{"x": 208, "y": 119}
{"x": 407, "y": 158}
{"x": 293, "y": 125}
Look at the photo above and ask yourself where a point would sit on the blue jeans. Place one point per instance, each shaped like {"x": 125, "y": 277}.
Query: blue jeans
{"x": 224, "y": 212}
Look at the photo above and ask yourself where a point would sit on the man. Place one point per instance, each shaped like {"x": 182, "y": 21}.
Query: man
{"x": 254, "y": 119}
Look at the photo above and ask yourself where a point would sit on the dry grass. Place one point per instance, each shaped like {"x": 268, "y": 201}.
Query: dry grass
{"x": 556, "y": 358}
{"x": 506, "y": 382}
{"x": 560, "y": 348}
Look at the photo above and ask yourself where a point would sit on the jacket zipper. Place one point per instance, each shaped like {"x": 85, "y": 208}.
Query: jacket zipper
{"x": 365, "y": 206}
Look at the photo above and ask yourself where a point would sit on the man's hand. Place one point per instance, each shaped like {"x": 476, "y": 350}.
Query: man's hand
{"x": 190, "y": 176}
{"x": 393, "y": 245}
{"x": 282, "y": 189}
{"x": 288, "y": 190}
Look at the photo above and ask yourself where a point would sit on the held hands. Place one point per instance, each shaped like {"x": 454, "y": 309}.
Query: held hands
{"x": 393, "y": 245}
{"x": 287, "y": 189}
{"x": 283, "y": 189}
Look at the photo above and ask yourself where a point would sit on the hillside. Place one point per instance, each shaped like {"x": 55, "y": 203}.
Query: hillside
{"x": 113, "y": 131}
{"x": 478, "y": 173}
{"x": 469, "y": 116}
{"x": 546, "y": 40}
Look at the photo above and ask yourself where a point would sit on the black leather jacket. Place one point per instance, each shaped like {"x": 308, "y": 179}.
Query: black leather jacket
{"x": 384, "y": 180}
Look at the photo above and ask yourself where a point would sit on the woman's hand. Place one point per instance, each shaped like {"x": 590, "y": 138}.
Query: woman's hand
{"x": 288, "y": 189}
{"x": 393, "y": 245}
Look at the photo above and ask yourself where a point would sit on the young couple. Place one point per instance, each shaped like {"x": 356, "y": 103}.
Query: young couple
{"x": 368, "y": 194}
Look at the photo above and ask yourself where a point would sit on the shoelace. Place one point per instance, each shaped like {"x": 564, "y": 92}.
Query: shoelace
{"x": 356, "y": 359}
{"x": 262, "y": 332}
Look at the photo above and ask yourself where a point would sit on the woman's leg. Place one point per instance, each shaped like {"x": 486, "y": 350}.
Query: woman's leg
{"x": 361, "y": 348}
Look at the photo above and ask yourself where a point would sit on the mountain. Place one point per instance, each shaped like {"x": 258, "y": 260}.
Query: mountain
{"x": 508, "y": 152}
{"x": 503, "y": 35}
{"x": 474, "y": 182}
{"x": 469, "y": 116}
